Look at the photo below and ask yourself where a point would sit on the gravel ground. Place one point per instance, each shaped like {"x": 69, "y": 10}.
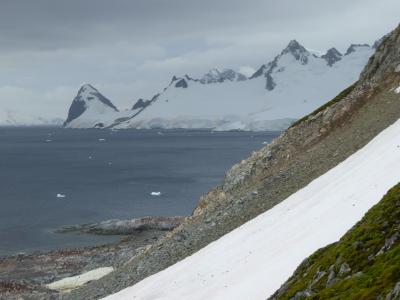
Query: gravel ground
{"x": 25, "y": 276}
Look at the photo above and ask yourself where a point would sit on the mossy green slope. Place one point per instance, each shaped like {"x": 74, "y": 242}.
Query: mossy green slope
{"x": 364, "y": 264}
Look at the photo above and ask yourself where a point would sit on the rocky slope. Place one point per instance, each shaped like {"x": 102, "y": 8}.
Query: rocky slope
{"x": 364, "y": 264}
{"x": 269, "y": 247}
{"x": 302, "y": 153}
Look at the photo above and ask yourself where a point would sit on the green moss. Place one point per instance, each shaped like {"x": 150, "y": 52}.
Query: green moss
{"x": 371, "y": 275}
{"x": 339, "y": 97}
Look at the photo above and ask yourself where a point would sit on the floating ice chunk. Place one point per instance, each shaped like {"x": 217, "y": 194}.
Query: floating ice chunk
{"x": 102, "y": 140}
{"x": 155, "y": 193}
{"x": 61, "y": 196}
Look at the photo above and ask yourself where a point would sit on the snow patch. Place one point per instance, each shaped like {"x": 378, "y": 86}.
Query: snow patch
{"x": 70, "y": 283}
{"x": 254, "y": 260}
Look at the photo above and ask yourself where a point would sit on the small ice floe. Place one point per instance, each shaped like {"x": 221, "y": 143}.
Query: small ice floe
{"x": 61, "y": 196}
{"x": 102, "y": 140}
{"x": 155, "y": 193}
{"x": 70, "y": 283}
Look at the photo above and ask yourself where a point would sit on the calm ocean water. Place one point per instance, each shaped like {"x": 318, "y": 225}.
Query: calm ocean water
{"x": 105, "y": 175}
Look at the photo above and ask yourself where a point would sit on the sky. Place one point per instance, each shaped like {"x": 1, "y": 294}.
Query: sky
{"x": 130, "y": 49}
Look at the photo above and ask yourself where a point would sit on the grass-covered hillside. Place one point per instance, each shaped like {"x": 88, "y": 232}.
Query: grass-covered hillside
{"x": 364, "y": 264}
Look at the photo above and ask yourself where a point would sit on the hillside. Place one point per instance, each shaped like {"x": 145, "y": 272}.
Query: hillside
{"x": 268, "y": 248}
{"x": 301, "y": 154}
{"x": 364, "y": 264}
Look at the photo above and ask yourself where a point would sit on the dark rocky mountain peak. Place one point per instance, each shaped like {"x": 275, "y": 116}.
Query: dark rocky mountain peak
{"x": 86, "y": 95}
{"x": 216, "y": 75}
{"x": 353, "y": 48}
{"x": 298, "y": 51}
{"x": 332, "y": 56}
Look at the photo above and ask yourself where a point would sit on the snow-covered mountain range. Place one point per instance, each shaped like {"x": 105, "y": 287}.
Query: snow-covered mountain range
{"x": 17, "y": 117}
{"x": 293, "y": 84}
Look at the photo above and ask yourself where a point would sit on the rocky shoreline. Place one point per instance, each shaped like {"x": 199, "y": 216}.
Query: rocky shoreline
{"x": 123, "y": 227}
{"x": 26, "y": 276}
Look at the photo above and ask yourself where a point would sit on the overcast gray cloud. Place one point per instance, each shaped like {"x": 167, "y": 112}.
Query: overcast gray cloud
{"x": 130, "y": 49}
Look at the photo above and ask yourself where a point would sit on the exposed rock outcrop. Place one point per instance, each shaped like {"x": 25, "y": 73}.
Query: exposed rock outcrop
{"x": 123, "y": 227}
{"x": 332, "y": 56}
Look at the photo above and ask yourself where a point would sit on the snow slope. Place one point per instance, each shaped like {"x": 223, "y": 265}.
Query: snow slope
{"x": 252, "y": 261}
{"x": 291, "y": 86}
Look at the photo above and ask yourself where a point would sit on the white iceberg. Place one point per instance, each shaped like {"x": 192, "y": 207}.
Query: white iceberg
{"x": 155, "y": 193}
{"x": 61, "y": 196}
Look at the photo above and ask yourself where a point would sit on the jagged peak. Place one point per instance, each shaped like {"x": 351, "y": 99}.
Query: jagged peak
{"x": 87, "y": 96}
{"x": 332, "y": 56}
{"x": 87, "y": 88}
{"x": 293, "y": 47}
{"x": 353, "y": 48}
{"x": 220, "y": 75}
{"x": 88, "y": 92}
{"x": 297, "y": 50}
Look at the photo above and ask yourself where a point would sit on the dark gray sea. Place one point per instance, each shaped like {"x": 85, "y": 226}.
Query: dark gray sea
{"x": 105, "y": 175}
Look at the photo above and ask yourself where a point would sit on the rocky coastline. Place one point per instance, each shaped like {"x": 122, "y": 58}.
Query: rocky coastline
{"x": 27, "y": 276}
{"x": 124, "y": 227}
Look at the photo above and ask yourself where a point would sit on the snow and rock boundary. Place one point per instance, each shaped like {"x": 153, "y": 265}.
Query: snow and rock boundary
{"x": 298, "y": 156}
